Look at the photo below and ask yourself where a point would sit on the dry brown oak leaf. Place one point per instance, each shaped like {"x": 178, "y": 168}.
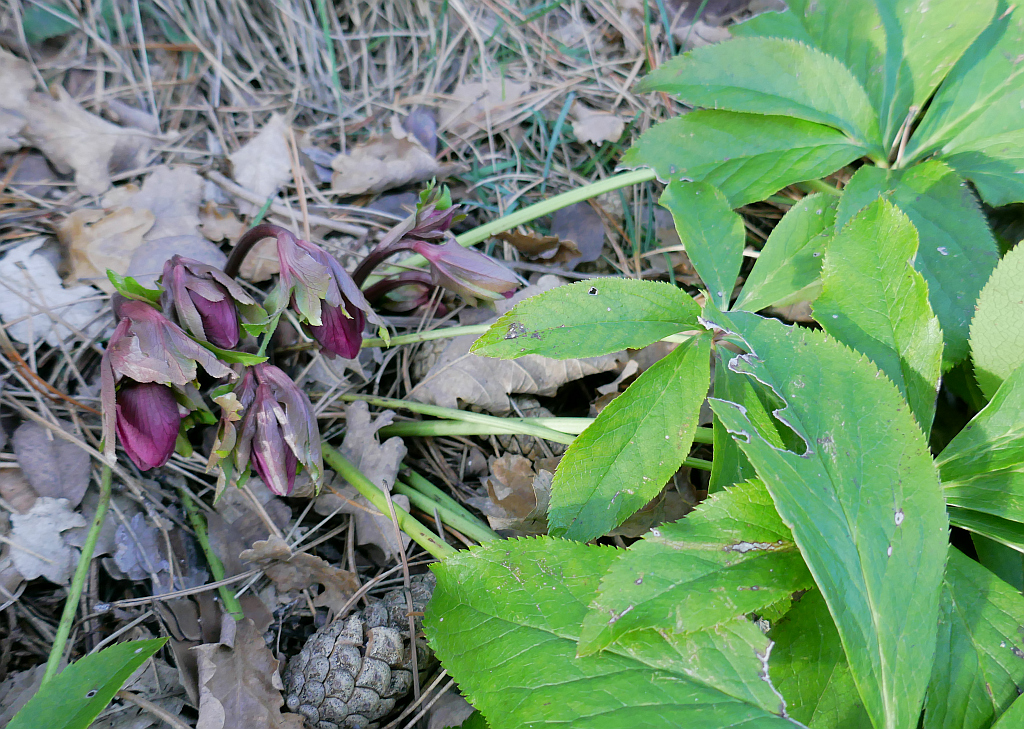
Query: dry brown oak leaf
{"x": 297, "y": 571}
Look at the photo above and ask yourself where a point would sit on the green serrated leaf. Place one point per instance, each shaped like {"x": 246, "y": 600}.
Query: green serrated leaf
{"x": 504, "y": 621}
{"x": 1005, "y": 563}
{"x": 1005, "y": 532}
{"x": 872, "y": 529}
{"x": 623, "y": 459}
{"x": 731, "y": 556}
{"x": 132, "y": 289}
{"x": 81, "y": 691}
{"x": 771, "y": 76}
{"x": 981, "y": 95}
{"x": 956, "y": 252}
{"x": 711, "y": 232}
{"x": 730, "y": 466}
{"x": 810, "y": 669}
{"x": 994, "y": 165}
{"x": 978, "y": 671}
{"x": 874, "y": 301}
{"x": 789, "y": 267}
{"x": 924, "y": 40}
{"x": 746, "y": 156}
{"x": 773, "y": 24}
{"x": 590, "y": 318}
{"x": 997, "y": 331}
{"x": 994, "y": 439}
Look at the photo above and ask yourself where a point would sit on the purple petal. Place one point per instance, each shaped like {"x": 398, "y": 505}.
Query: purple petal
{"x": 220, "y": 320}
{"x": 339, "y": 335}
{"x": 271, "y": 456}
{"x": 147, "y": 423}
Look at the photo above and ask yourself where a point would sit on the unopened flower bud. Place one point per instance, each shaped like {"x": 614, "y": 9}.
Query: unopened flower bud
{"x": 204, "y": 299}
{"x": 467, "y": 272}
{"x": 148, "y": 419}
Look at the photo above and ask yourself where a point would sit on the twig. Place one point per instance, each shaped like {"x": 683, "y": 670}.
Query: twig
{"x": 231, "y": 604}
{"x": 78, "y": 581}
{"x": 153, "y": 709}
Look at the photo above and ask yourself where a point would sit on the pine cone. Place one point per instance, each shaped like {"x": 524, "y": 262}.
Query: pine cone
{"x": 353, "y": 670}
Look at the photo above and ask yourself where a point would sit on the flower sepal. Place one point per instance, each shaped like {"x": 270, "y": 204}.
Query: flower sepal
{"x": 129, "y": 288}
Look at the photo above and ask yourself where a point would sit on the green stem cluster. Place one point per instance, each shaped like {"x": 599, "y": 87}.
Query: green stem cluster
{"x": 231, "y": 604}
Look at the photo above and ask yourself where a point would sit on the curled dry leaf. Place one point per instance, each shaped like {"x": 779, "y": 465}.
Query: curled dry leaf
{"x": 263, "y": 164}
{"x": 519, "y": 495}
{"x": 55, "y": 467}
{"x": 218, "y": 225}
{"x": 239, "y": 684}
{"x": 545, "y": 247}
{"x": 477, "y": 106}
{"x": 382, "y": 163}
{"x": 173, "y": 195}
{"x": 35, "y": 305}
{"x": 298, "y": 571}
{"x": 580, "y": 226}
{"x": 379, "y": 462}
{"x": 96, "y": 241}
{"x": 39, "y": 549}
{"x": 457, "y": 375}
{"x": 597, "y": 127}
{"x": 76, "y": 141}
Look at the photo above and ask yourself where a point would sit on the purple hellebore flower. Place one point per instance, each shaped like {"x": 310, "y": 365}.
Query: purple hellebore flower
{"x": 148, "y": 419}
{"x": 324, "y": 295}
{"x": 148, "y": 361}
{"x": 203, "y": 298}
{"x": 278, "y": 429}
{"x": 467, "y": 272}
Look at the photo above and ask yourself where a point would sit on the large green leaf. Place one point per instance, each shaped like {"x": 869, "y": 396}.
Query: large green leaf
{"x": 730, "y": 466}
{"x": 994, "y": 165}
{"x": 711, "y": 232}
{"x": 924, "y": 39}
{"x": 789, "y": 267}
{"x": 863, "y": 502}
{"x": 623, "y": 459}
{"x": 979, "y": 655}
{"x": 771, "y": 76}
{"x": 873, "y": 300}
{"x": 849, "y": 31}
{"x": 746, "y": 156}
{"x": 731, "y": 556}
{"x": 76, "y": 696}
{"x": 590, "y": 318}
{"x": 810, "y": 670}
{"x": 1014, "y": 716}
{"x": 504, "y": 621}
{"x": 997, "y": 331}
{"x": 977, "y": 97}
{"x": 956, "y": 254}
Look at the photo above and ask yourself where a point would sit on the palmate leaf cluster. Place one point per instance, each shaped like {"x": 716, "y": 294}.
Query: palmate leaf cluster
{"x": 816, "y": 585}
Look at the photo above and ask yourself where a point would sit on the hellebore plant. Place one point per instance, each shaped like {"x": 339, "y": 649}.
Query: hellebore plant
{"x": 148, "y": 375}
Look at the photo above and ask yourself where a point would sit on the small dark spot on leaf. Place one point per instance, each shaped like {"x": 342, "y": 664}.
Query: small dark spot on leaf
{"x": 90, "y": 694}
{"x": 592, "y": 291}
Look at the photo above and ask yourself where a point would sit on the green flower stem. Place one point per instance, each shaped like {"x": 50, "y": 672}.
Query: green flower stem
{"x": 698, "y": 463}
{"x": 819, "y": 186}
{"x": 442, "y": 333}
{"x": 471, "y": 528}
{"x": 406, "y": 522}
{"x": 424, "y": 486}
{"x": 231, "y": 604}
{"x": 512, "y": 425}
{"x": 78, "y": 581}
{"x": 532, "y": 212}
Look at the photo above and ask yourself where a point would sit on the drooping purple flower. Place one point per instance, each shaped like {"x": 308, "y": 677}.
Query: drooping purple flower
{"x": 467, "y": 272}
{"x": 148, "y": 419}
{"x": 147, "y": 348}
{"x": 278, "y": 431}
{"x": 324, "y": 296}
{"x": 204, "y": 298}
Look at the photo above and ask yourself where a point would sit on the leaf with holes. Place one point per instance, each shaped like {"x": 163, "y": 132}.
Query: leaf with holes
{"x": 872, "y": 530}
{"x": 504, "y": 621}
{"x": 81, "y": 691}
{"x": 623, "y": 459}
{"x": 590, "y": 318}
{"x": 731, "y": 556}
